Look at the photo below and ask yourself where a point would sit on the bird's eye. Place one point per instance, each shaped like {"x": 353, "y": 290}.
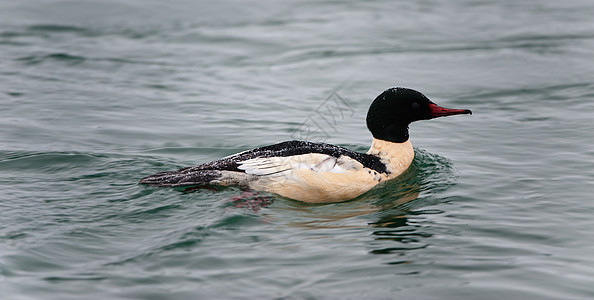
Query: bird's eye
{"x": 415, "y": 105}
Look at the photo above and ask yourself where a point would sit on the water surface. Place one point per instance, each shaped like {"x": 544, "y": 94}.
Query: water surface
{"x": 95, "y": 95}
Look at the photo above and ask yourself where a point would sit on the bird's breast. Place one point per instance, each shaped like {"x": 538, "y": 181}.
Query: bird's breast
{"x": 396, "y": 156}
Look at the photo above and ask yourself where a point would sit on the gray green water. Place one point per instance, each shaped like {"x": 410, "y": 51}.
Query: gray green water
{"x": 94, "y": 95}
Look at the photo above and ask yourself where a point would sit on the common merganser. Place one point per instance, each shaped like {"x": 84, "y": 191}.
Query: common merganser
{"x": 320, "y": 172}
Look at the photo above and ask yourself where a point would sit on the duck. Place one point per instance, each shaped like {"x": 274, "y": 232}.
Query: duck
{"x": 315, "y": 172}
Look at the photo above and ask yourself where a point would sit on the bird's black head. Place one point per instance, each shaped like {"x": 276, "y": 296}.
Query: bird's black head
{"x": 393, "y": 110}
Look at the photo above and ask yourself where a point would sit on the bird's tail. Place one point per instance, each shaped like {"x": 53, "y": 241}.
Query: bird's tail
{"x": 183, "y": 177}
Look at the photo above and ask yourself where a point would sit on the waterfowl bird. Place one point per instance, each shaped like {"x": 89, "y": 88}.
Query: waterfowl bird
{"x": 320, "y": 172}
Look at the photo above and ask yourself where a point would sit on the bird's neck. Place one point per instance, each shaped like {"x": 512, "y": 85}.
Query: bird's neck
{"x": 396, "y": 156}
{"x": 392, "y": 133}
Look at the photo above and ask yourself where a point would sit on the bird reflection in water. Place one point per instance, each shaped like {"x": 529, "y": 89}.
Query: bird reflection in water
{"x": 431, "y": 175}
